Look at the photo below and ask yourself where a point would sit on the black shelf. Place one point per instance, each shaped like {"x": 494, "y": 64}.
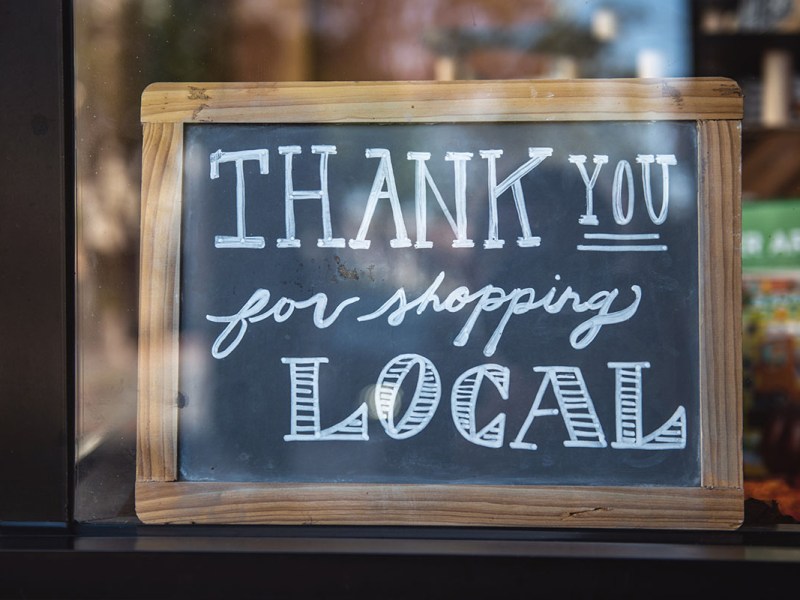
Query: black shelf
{"x": 739, "y": 55}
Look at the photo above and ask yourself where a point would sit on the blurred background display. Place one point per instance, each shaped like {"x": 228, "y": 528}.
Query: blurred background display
{"x": 771, "y": 352}
{"x": 121, "y": 46}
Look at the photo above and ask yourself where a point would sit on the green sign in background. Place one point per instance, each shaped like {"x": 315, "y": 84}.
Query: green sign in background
{"x": 771, "y": 234}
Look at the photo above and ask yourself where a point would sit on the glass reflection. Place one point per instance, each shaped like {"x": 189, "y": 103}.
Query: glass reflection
{"x": 120, "y": 47}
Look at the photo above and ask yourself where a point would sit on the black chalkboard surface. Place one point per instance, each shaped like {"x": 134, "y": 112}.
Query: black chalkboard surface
{"x": 236, "y": 382}
{"x": 519, "y": 311}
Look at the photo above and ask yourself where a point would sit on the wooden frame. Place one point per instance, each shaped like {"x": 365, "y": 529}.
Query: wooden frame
{"x": 716, "y": 106}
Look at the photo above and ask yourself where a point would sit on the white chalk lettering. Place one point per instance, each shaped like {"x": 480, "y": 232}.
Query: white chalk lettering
{"x": 251, "y": 312}
{"x": 568, "y": 313}
{"x": 584, "y": 334}
{"x": 576, "y": 407}
{"x": 513, "y": 181}
{"x": 241, "y": 239}
{"x": 384, "y": 187}
{"x": 464, "y": 397}
{"x": 665, "y": 160}
{"x": 383, "y": 177}
{"x": 622, "y": 237}
{"x": 628, "y": 401}
{"x": 305, "y": 422}
{"x": 579, "y": 160}
{"x": 326, "y": 241}
{"x": 520, "y": 301}
{"x": 423, "y": 179}
{"x": 424, "y": 403}
{"x": 622, "y": 218}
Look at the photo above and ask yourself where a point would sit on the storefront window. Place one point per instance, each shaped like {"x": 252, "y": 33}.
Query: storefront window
{"x": 121, "y": 47}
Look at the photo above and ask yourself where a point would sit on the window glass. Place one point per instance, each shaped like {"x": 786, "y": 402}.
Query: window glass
{"x": 121, "y": 46}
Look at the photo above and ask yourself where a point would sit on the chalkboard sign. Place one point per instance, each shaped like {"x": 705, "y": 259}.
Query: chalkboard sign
{"x": 489, "y": 303}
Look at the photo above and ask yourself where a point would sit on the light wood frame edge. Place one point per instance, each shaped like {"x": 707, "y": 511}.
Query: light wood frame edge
{"x": 438, "y": 505}
{"x": 716, "y": 504}
{"x": 719, "y": 189}
{"x": 159, "y": 302}
{"x": 430, "y": 101}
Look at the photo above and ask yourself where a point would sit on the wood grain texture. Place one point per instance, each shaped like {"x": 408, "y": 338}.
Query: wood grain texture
{"x": 719, "y": 146}
{"x": 162, "y": 173}
{"x": 460, "y": 101}
{"x": 523, "y": 506}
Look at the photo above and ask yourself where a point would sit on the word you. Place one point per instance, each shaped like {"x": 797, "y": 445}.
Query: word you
{"x": 384, "y": 187}
{"x": 575, "y": 406}
{"x": 489, "y": 298}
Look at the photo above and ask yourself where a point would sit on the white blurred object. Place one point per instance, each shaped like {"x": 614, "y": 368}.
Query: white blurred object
{"x": 604, "y": 24}
{"x": 650, "y": 63}
{"x": 777, "y": 73}
{"x": 564, "y": 67}
{"x": 444, "y": 68}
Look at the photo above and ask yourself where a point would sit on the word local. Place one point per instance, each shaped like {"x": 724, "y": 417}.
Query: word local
{"x": 575, "y": 406}
{"x": 384, "y": 187}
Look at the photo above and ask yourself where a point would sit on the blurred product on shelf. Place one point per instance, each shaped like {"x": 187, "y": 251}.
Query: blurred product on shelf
{"x": 778, "y": 496}
{"x": 771, "y": 352}
{"x": 758, "y": 16}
